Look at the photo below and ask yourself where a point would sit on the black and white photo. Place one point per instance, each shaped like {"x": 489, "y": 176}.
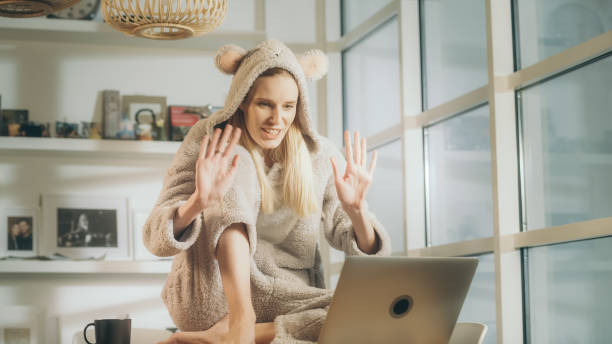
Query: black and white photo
{"x": 83, "y": 227}
{"x": 86, "y": 227}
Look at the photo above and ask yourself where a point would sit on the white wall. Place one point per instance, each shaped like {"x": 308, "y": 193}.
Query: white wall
{"x": 63, "y": 81}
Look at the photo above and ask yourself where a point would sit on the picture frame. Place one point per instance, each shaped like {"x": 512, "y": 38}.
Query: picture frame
{"x": 139, "y": 218}
{"x": 146, "y": 108}
{"x": 85, "y": 227}
{"x": 19, "y": 234}
{"x": 182, "y": 118}
{"x": 21, "y": 324}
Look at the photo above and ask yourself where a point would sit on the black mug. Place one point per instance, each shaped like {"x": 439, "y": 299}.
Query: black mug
{"x": 110, "y": 331}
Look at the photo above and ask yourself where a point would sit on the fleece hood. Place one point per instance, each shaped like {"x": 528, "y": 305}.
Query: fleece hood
{"x": 247, "y": 66}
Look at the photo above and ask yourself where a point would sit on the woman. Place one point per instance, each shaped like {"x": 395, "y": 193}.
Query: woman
{"x": 13, "y": 234}
{"x": 78, "y": 236}
{"x": 245, "y": 227}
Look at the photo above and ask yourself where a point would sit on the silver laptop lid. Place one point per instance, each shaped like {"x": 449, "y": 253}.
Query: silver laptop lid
{"x": 398, "y": 300}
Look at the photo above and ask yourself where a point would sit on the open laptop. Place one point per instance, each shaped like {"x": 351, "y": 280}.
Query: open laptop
{"x": 397, "y": 300}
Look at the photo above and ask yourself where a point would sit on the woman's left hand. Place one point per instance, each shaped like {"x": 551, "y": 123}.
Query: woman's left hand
{"x": 352, "y": 188}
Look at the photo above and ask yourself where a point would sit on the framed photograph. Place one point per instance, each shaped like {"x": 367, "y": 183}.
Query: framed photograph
{"x": 21, "y": 324}
{"x": 147, "y": 116}
{"x": 139, "y": 218}
{"x": 82, "y": 227}
{"x": 19, "y": 232}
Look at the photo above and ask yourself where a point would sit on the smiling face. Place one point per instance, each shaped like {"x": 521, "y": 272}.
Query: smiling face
{"x": 270, "y": 109}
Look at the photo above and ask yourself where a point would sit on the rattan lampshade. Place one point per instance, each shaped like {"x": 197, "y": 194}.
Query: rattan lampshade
{"x": 164, "y": 19}
{"x": 32, "y": 8}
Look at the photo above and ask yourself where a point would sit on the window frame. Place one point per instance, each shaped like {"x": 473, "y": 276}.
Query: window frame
{"x": 508, "y": 239}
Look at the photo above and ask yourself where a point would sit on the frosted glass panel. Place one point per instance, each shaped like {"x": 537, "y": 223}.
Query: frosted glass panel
{"x": 569, "y": 292}
{"x": 459, "y": 178}
{"x": 567, "y": 136}
{"x": 355, "y": 12}
{"x": 547, "y": 27}
{"x": 479, "y": 305}
{"x": 371, "y": 81}
{"x": 454, "y": 49}
{"x": 385, "y": 197}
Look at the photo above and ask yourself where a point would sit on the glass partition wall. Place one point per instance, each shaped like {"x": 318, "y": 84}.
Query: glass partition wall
{"x": 493, "y": 124}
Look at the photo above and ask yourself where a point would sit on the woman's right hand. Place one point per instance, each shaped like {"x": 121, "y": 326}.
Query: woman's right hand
{"x": 213, "y": 172}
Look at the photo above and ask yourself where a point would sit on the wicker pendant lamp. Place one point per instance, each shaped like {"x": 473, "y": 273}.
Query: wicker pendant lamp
{"x": 164, "y": 19}
{"x": 32, "y": 8}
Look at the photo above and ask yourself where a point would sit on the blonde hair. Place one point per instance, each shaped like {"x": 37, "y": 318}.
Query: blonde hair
{"x": 298, "y": 180}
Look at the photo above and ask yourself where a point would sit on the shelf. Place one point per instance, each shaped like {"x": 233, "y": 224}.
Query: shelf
{"x": 85, "y": 267}
{"x": 113, "y": 148}
{"x": 93, "y": 32}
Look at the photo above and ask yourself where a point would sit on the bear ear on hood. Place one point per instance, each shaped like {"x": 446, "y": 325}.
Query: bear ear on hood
{"x": 228, "y": 58}
{"x": 314, "y": 64}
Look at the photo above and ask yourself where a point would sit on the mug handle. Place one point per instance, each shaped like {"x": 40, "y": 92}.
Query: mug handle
{"x": 85, "y": 332}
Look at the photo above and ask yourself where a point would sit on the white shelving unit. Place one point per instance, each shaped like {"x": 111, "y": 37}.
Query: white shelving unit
{"x": 78, "y": 148}
{"x": 93, "y": 32}
{"x": 131, "y": 148}
{"x": 98, "y": 33}
{"x": 84, "y": 267}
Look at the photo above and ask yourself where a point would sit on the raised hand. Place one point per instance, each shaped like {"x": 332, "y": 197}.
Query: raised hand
{"x": 213, "y": 175}
{"x": 353, "y": 186}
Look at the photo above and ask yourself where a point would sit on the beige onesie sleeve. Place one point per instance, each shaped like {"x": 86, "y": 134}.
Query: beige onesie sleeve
{"x": 338, "y": 227}
{"x": 239, "y": 204}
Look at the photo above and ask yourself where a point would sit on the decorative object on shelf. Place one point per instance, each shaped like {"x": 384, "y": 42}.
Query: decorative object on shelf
{"x": 154, "y": 106}
{"x": 84, "y": 9}
{"x": 85, "y": 226}
{"x": 95, "y": 131}
{"x": 182, "y": 118}
{"x": 126, "y": 130}
{"x": 32, "y": 129}
{"x": 164, "y": 19}
{"x": 21, "y": 324}
{"x": 146, "y": 131}
{"x": 67, "y": 130}
{"x": 19, "y": 232}
{"x": 90, "y": 130}
{"x": 32, "y": 8}
{"x": 11, "y": 121}
{"x": 111, "y": 113}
